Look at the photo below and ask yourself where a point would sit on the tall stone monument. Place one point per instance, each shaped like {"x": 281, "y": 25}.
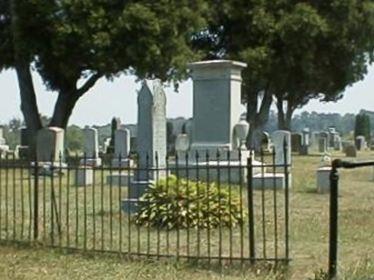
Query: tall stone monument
{"x": 151, "y": 124}
{"x": 216, "y": 106}
{"x": 151, "y": 141}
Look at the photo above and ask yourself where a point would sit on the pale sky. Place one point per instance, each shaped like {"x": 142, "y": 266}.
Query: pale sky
{"x": 118, "y": 98}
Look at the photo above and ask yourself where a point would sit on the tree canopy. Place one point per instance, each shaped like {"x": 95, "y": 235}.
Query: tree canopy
{"x": 72, "y": 44}
{"x": 295, "y": 50}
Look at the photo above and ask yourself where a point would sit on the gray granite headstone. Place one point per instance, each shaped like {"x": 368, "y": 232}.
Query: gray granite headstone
{"x": 323, "y": 180}
{"x": 325, "y": 136}
{"x": 350, "y": 151}
{"x": 182, "y": 145}
{"x": 91, "y": 147}
{"x": 338, "y": 143}
{"x": 50, "y": 144}
{"x": 91, "y": 142}
{"x": 280, "y": 139}
{"x": 322, "y": 145}
{"x": 296, "y": 140}
{"x": 122, "y": 143}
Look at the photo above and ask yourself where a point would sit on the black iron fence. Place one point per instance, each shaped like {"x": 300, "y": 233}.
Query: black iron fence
{"x": 199, "y": 207}
{"x": 334, "y": 193}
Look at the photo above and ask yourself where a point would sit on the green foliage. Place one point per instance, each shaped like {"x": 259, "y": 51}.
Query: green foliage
{"x": 295, "y": 50}
{"x": 74, "y": 43}
{"x": 176, "y": 203}
{"x": 362, "y": 126}
{"x": 74, "y": 138}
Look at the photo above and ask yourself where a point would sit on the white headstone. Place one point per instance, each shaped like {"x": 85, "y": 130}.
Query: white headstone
{"x": 306, "y": 140}
{"x": 182, "y": 143}
{"x": 91, "y": 142}
{"x": 360, "y": 143}
{"x": 323, "y": 179}
{"x": 50, "y": 144}
{"x": 122, "y": 143}
{"x": 241, "y": 130}
{"x": 282, "y": 139}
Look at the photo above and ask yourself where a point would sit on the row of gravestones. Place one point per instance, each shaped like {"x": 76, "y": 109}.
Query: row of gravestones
{"x": 151, "y": 138}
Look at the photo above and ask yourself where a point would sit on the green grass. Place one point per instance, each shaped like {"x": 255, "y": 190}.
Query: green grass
{"x": 309, "y": 235}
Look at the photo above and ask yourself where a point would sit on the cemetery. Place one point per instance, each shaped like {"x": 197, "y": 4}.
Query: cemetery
{"x": 115, "y": 195}
{"x": 186, "y": 140}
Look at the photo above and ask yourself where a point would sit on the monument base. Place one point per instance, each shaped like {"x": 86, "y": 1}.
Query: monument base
{"x": 117, "y": 179}
{"x": 270, "y": 181}
{"x": 134, "y": 200}
{"x": 49, "y": 168}
{"x": 122, "y": 163}
{"x": 215, "y": 152}
{"x": 94, "y": 162}
{"x": 132, "y": 205}
{"x": 234, "y": 172}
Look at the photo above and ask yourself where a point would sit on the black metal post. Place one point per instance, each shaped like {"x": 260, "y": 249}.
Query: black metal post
{"x": 36, "y": 200}
{"x": 251, "y": 216}
{"x": 333, "y": 242}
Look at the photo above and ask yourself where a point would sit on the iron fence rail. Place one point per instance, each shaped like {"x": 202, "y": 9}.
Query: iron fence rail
{"x": 56, "y": 208}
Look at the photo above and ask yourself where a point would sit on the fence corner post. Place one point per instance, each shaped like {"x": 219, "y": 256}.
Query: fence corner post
{"x": 333, "y": 242}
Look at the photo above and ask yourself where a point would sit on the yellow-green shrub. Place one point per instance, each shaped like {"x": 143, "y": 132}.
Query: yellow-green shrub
{"x": 172, "y": 203}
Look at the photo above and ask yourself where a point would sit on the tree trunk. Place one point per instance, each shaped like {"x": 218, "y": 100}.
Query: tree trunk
{"x": 63, "y": 108}
{"x": 281, "y": 117}
{"x": 251, "y": 116}
{"x": 288, "y": 119}
{"x": 258, "y": 119}
{"x": 284, "y": 118}
{"x": 67, "y": 98}
{"x": 29, "y": 105}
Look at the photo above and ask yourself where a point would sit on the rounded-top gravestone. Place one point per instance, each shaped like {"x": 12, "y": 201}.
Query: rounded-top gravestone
{"x": 241, "y": 131}
{"x": 182, "y": 143}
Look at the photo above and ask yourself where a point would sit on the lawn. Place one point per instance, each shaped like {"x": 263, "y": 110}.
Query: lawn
{"x": 308, "y": 229}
